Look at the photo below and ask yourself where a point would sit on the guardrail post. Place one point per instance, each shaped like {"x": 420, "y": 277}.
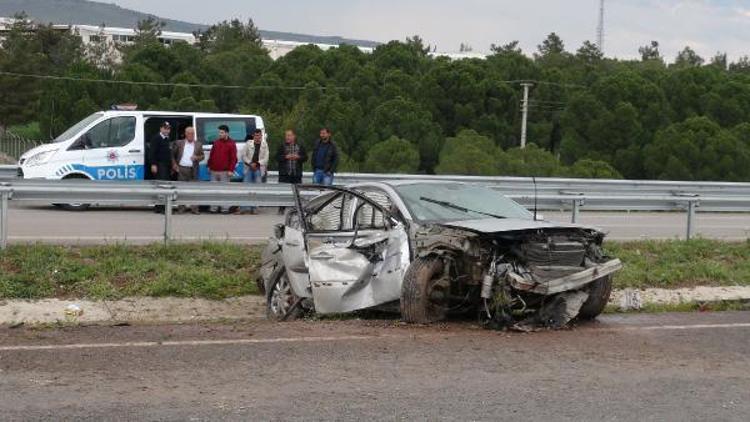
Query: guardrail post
{"x": 690, "y": 218}
{"x": 168, "y": 218}
{"x": 576, "y": 210}
{"x": 4, "y": 197}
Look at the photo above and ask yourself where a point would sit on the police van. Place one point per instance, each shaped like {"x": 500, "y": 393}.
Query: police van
{"x": 112, "y": 145}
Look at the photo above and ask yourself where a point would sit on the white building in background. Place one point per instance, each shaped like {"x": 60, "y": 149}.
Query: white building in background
{"x": 117, "y": 36}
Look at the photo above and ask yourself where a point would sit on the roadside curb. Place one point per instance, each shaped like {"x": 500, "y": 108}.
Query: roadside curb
{"x": 129, "y": 310}
{"x": 635, "y": 299}
{"x": 177, "y": 310}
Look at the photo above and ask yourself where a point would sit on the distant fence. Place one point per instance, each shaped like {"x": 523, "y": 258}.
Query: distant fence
{"x": 14, "y": 145}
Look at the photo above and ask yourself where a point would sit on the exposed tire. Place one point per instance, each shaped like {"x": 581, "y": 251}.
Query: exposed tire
{"x": 74, "y": 207}
{"x": 422, "y": 292}
{"x": 282, "y": 304}
{"x": 599, "y": 292}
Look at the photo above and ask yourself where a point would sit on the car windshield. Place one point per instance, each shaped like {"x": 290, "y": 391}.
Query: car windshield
{"x": 442, "y": 202}
{"x": 75, "y": 129}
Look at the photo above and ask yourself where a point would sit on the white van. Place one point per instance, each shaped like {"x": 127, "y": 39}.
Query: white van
{"x": 112, "y": 145}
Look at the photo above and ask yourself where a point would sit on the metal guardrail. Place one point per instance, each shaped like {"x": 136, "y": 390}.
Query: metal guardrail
{"x": 8, "y": 172}
{"x": 172, "y": 194}
{"x": 629, "y": 193}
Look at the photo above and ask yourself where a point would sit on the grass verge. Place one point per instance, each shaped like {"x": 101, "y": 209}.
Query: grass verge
{"x": 674, "y": 263}
{"x": 220, "y": 270}
{"x": 207, "y": 270}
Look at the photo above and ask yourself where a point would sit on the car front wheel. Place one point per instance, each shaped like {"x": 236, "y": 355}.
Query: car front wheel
{"x": 599, "y": 292}
{"x": 424, "y": 292}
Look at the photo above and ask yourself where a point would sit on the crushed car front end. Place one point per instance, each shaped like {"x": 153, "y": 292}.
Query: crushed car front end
{"x": 519, "y": 274}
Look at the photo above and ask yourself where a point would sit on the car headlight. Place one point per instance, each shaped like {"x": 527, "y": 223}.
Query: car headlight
{"x": 40, "y": 158}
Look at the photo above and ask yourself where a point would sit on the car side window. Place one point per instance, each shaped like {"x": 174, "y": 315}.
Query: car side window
{"x": 369, "y": 217}
{"x": 114, "y": 132}
{"x": 240, "y": 128}
{"x": 336, "y": 215}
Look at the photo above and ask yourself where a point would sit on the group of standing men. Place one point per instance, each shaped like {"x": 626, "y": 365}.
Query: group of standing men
{"x": 184, "y": 157}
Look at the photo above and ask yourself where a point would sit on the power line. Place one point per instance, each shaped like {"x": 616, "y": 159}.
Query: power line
{"x": 162, "y": 84}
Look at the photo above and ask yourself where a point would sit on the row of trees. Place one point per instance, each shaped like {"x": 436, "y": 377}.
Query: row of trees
{"x": 399, "y": 109}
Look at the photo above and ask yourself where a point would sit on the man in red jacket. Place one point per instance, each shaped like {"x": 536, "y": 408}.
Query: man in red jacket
{"x": 222, "y": 161}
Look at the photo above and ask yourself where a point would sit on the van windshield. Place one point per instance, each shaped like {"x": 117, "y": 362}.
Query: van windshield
{"x": 75, "y": 129}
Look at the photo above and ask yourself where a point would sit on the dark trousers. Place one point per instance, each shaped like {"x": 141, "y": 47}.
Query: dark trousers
{"x": 163, "y": 172}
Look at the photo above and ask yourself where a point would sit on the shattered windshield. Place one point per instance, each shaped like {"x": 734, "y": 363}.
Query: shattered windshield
{"x": 427, "y": 202}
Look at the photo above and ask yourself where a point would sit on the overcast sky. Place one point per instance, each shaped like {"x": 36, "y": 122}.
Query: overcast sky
{"x": 706, "y": 25}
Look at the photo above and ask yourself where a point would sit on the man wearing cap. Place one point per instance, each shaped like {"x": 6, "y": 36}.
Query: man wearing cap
{"x": 222, "y": 160}
{"x": 160, "y": 156}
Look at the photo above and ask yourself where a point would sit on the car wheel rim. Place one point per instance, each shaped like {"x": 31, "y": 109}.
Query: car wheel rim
{"x": 281, "y": 297}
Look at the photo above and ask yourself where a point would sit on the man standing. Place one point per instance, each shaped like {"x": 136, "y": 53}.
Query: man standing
{"x": 222, "y": 161}
{"x": 255, "y": 158}
{"x": 186, "y": 159}
{"x": 290, "y": 157}
{"x": 160, "y": 157}
{"x": 325, "y": 158}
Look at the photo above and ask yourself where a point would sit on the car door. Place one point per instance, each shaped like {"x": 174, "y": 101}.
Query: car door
{"x": 111, "y": 150}
{"x": 356, "y": 251}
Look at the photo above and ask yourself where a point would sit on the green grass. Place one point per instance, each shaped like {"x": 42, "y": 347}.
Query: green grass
{"x": 210, "y": 270}
{"x": 674, "y": 263}
{"x": 220, "y": 270}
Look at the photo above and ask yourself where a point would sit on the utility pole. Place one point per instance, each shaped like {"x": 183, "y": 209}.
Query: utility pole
{"x": 525, "y": 110}
{"x": 600, "y": 28}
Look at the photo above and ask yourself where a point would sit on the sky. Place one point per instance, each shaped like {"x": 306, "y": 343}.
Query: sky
{"x": 708, "y": 26}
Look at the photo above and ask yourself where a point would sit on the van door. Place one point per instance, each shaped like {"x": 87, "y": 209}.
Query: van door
{"x": 111, "y": 150}
{"x": 241, "y": 129}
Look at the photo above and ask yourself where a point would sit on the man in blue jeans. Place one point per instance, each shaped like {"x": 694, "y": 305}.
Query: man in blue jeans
{"x": 255, "y": 157}
{"x": 325, "y": 158}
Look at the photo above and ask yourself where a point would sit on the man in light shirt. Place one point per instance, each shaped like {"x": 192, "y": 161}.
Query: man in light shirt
{"x": 186, "y": 159}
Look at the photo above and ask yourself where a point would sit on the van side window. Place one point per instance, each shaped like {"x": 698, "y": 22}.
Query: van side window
{"x": 240, "y": 128}
{"x": 115, "y": 132}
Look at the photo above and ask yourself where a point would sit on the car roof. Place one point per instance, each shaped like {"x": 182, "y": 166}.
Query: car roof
{"x": 407, "y": 182}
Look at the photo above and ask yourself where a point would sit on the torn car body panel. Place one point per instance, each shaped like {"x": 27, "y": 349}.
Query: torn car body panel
{"x": 534, "y": 283}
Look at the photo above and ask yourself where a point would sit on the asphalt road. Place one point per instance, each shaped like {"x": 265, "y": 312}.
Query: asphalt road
{"x": 28, "y": 223}
{"x": 677, "y": 367}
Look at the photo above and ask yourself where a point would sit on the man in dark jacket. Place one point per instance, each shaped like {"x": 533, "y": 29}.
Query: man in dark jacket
{"x": 160, "y": 157}
{"x": 325, "y": 158}
{"x": 290, "y": 157}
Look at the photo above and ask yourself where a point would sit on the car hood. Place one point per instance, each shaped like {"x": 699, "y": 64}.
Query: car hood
{"x": 498, "y": 225}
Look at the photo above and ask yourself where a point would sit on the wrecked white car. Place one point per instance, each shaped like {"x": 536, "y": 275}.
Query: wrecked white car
{"x": 430, "y": 249}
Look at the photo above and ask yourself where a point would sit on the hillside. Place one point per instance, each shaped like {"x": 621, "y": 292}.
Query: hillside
{"x": 95, "y": 13}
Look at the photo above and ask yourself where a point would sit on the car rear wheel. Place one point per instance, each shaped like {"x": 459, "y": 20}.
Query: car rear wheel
{"x": 283, "y": 303}
{"x": 424, "y": 292}
{"x": 599, "y": 292}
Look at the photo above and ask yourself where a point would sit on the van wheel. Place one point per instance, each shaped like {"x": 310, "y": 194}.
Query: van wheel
{"x": 74, "y": 207}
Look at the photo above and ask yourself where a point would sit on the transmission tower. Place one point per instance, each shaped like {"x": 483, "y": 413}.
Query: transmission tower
{"x": 600, "y": 28}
